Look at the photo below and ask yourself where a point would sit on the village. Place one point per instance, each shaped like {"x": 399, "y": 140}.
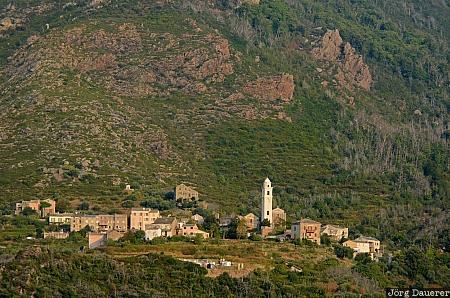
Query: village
{"x": 271, "y": 225}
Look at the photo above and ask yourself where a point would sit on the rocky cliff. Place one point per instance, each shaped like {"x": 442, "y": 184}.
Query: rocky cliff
{"x": 351, "y": 69}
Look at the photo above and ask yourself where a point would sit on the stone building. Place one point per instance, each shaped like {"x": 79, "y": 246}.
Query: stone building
{"x": 100, "y": 223}
{"x": 140, "y": 217}
{"x": 184, "y": 193}
{"x": 266, "y": 201}
{"x": 335, "y": 232}
{"x": 279, "y": 217}
{"x": 365, "y": 244}
{"x": 36, "y": 206}
{"x": 152, "y": 232}
{"x": 60, "y": 219}
{"x": 198, "y": 219}
{"x": 167, "y": 226}
{"x": 251, "y": 221}
{"x": 306, "y": 229}
{"x": 191, "y": 230}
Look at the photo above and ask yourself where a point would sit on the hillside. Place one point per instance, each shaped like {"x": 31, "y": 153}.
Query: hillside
{"x": 345, "y": 108}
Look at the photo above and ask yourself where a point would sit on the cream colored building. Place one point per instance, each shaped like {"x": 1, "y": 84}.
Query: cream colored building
{"x": 36, "y": 206}
{"x": 335, "y": 232}
{"x": 102, "y": 222}
{"x": 167, "y": 225}
{"x": 191, "y": 230}
{"x": 198, "y": 219}
{"x": 266, "y": 201}
{"x": 364, "y": 244}
{"x": 279, "y": 217}
{"x": 152, "y": 232}
{"x": 251, "y": 221}
{"x": 306, "y": 229}
{"x": 60, "y": 219}
{"x": 184, "y": 193}
{"x": 140, "y": 217}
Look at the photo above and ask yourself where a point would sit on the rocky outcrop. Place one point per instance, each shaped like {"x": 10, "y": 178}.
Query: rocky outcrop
{"x": 352, "y": 71}
{"x": 330, "y": 48}
{"x": 271, "y": 88}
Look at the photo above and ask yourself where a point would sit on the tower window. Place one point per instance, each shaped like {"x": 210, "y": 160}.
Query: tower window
{"x": 268, "y": 192}
{"x": 267, "y": 212}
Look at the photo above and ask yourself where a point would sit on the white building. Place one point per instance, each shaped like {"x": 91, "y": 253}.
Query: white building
{"x": 266, "y": 201}
{"x": 335, "y": 232}
{"x": 152, "y": 232}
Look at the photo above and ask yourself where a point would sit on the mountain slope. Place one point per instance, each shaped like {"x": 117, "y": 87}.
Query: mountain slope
{"x": 220, "y": 94}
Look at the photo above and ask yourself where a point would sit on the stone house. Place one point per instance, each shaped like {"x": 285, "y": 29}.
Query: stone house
{"x": 152, "y": 232}
{"x": 198, "y": 219}
{"x": 167, "y": 225}
{"x": 364, "y": 244}
{"x": 278, "y": 217}
{"x": 306, "y": 229}
{"x": 191, "y": 230}
{"x": 251, "y": 221}
{"x": 60, "y": 219}
{"x": 36, "y": 206}
{"x": 184, "y": 193}
{"x": 335, "y": 232}
{"x": 99, "y": 223}
{"x": 140, "y": 217}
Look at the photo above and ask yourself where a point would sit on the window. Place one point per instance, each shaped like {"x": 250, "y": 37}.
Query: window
{"x": 267, "y": 212}
{"x": 268, "y": 192}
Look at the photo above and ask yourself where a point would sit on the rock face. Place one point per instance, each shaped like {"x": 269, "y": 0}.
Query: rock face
{"x": 352, "y": 71}
{"x": 272, "y": 88}
{"x": 331, "y": 47}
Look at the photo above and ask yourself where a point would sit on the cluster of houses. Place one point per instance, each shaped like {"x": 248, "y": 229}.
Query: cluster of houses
{"x": 105, "y": 227}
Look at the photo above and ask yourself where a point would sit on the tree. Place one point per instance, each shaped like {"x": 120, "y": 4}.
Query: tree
{"x": 27, "y": 211}
{"x": 128, "y": 204}
{"x": 84, "y": 206}
{"x": 343, "y": 251}
{"x": 44, "y": 205}
{"x": 198, "y": 239}
{"x": 241, "y": 229}
{"x": 325, "y": 239}
{"x": 265, "y": 223}
{"x": 62, "y": 205}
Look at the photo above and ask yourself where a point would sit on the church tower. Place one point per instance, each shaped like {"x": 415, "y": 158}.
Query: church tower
{"x": 266, "y": 201}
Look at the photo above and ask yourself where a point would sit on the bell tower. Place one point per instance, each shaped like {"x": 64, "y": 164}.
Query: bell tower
{"x": 266, "y": 201}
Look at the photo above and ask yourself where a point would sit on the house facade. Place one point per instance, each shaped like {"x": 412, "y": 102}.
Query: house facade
{"x": 60, "y": 219}
{"x": 198, "y": 219}
{"x": 152, "y": 232}
{"x": 166, "y": 225}
{"x": 306, "y": 229}
{"x": 184, "y": 193}
{"x": 98, "y": 223}
{"x": 140, "y": 217}
{"x": 335, "y": 232}
{"x": 191, "y": 230}
{"x": 365, "y": 244}
{"x": 36, "y": 206}
{"x": 251, "y": 221}
{"x": 278, "y": 217}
